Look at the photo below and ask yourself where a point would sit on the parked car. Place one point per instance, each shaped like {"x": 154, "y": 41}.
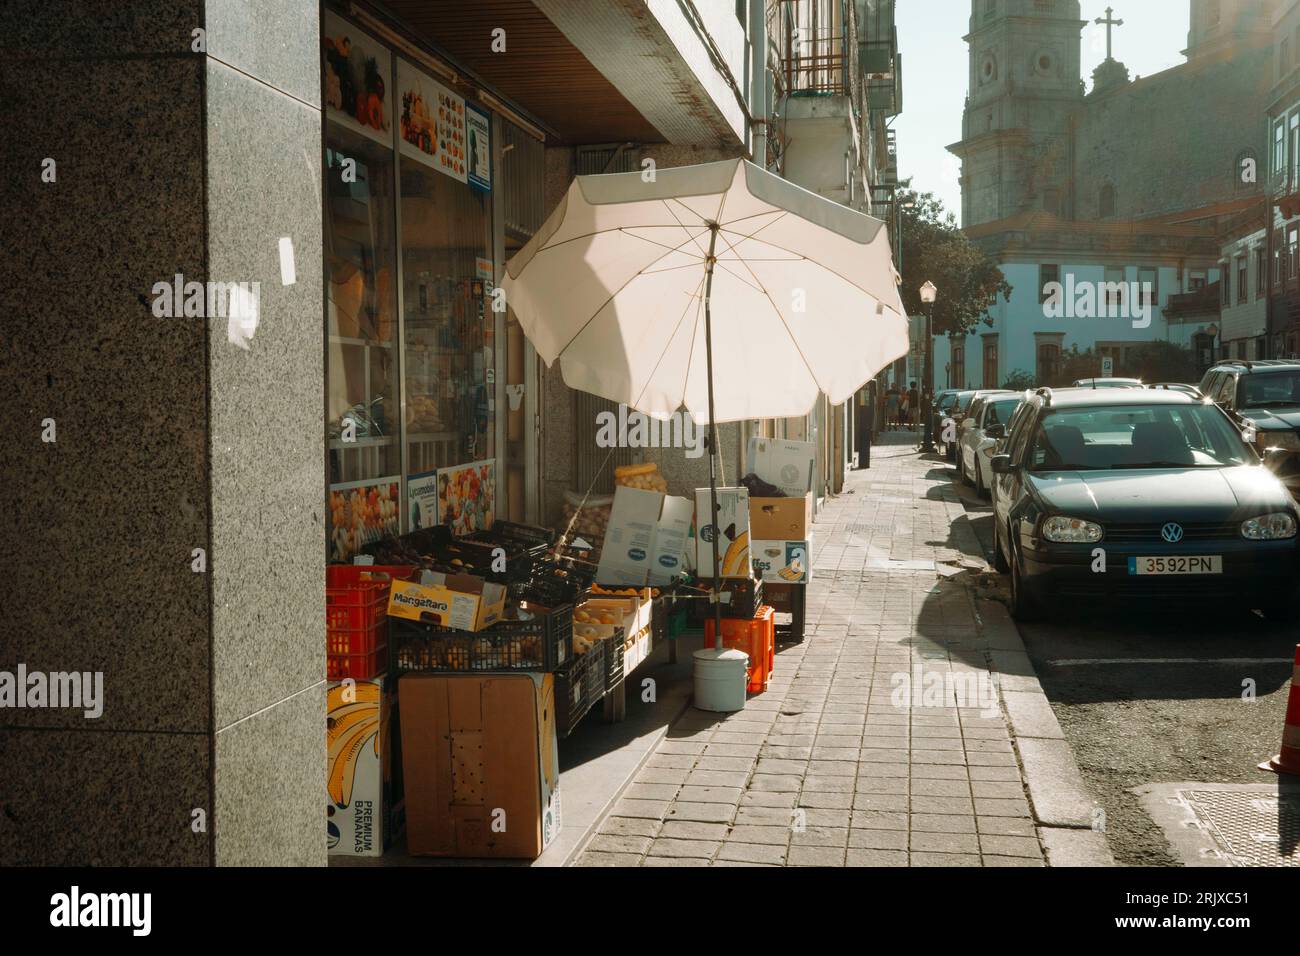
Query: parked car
{"x": 1108, "y": 383}
{"x": 956, "y": 408}
{"x": 1149, "y": 495}
{"x": 1263, "y": 399}
{"x": 965, "y": 414}
{"x": 944, "y": 402}
{"x": 1177, "y": 387}
{"x": 984, "y": 427}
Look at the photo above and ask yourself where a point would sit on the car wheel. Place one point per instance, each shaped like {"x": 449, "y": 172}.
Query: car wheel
{"x": 1023, "y": 606}
{"x": 999, "y": 559}
{"x": 980, "y": 490}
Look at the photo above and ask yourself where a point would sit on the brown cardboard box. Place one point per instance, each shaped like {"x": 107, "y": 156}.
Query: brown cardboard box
{"x": 480, "y": 766}
{"x": 780, "y": 519}
{"x": 462, "y": 601}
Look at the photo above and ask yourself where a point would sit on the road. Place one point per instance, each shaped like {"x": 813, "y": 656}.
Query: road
{"x": 1161, "y": 696}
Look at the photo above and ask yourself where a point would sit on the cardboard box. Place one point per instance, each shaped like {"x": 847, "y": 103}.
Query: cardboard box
{"x": 774, "y": 519}
{"x": 461, "y": 601}
{"x": 787, "y": 464}
{"x": 783, "y": 562}
{"x": 732, "y": 526}
{"x": 645, "y": 539}
{"x": 363, "y": 793}
{"x": 480, "y": 764}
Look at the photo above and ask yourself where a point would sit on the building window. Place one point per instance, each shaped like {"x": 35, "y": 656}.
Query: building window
{"x": 1196, "y": 280}
{"x": 1243, "y": 278}
{"x": 990, "y": 361}
{"x": 1148, "y": 286}
{"x": 1106, "y": 202}
{"x": 1279, "y": 149}
{"x": 1261, "y": 347}
{"x": 957, "y": 365}
{"x": 1049, "y": 362}
{"x": 1241, "y": 349}
{"x": 1225, "y": 284}
{"x": 1115, "y": 286}
{"x": 1213, "y": 14}
{"x": 1293, "y": 251}
{"x": 1261, "y": 273}
{"x": 1047, "y": 274}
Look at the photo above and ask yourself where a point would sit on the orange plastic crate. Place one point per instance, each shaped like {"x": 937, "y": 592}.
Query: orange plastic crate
{"x": 755, "y": 636}
{"x": 356, "y": 618}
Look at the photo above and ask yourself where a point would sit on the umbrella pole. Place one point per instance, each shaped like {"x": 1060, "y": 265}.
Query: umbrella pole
{"x": 713, "y": 440}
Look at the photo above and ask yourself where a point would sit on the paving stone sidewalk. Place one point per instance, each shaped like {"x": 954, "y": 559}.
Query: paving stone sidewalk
{"x": 830, "y": 767}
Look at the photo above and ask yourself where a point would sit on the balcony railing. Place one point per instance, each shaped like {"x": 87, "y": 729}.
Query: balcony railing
{"x": 822, "y": 70}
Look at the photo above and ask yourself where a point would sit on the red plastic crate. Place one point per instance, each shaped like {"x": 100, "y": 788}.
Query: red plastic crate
{"x": 755, "y": 636}
{"x": 356, "y": 617}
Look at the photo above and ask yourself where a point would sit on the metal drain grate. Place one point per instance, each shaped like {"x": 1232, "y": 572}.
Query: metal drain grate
{"x": 1251, "y": 828}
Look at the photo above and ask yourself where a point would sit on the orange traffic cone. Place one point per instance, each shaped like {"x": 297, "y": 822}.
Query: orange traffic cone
{"x": 1288, "y": 761}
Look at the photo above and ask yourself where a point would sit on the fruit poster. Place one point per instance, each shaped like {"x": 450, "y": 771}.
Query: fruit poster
{"x": 362, "y": 512}
{"x": 478, "y": 150}
{"x": 467, "y": 496}
{"x": 357, "y": 72}
{"x": 422, "y": 500}
{"x": 432, "y": 122}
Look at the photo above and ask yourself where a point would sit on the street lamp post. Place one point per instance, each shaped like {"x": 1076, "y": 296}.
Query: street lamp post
{"x": 928, "y": 292}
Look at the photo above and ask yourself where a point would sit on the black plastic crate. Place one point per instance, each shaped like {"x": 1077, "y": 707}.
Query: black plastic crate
{"x": 527, "y": 537}
{"x": 542, "y": 644}
{"x": 788, "y": 599}
{"x": 580, "y": 686}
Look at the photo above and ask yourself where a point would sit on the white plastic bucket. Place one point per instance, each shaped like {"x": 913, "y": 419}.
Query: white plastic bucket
{"x": 721, "y": 679}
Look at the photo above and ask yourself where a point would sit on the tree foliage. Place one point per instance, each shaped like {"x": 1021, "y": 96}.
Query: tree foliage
{"x": 934, "y": 249}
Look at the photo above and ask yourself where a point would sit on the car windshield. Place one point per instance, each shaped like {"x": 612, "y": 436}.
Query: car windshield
{"x": 1272, "y": 388}
{"x": 999, "y": 412}
{"x": 947, "y": 401}
{"x": 1136, "y": 436}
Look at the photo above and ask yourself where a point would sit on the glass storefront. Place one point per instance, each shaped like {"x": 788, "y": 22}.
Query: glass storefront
{"x": 410, "y": 370}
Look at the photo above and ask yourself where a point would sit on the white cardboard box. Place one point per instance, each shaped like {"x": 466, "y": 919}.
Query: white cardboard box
{"x": 732, "y": 526}
{"x": 783, "y": 562}
{"x": 645, "y": 538}
{"x": 787, "y": 464}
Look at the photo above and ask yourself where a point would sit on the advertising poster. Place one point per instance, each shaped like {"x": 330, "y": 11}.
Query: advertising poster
{"x": 361, "y": 512}
{"x": 433, "y": 122}
{"x": 478, "y": 151}
{"x": 357, "y": 70}
{"x": 422, "y": 499}
{"x": 467, "y": 496}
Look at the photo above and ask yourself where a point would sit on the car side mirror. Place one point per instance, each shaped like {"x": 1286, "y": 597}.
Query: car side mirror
{"x": 1001, "y": 464}
{"x": 1275, "y": 458}
{"x": 996, "y": 431}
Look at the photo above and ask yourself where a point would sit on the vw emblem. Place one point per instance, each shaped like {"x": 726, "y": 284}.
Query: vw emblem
{"x": 1172, "y": 532}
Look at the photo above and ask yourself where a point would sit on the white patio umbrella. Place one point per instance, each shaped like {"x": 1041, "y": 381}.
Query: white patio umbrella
{"x": 719, "y": 287}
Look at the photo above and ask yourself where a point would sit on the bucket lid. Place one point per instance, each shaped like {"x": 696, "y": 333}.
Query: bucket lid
{"x": 711, "y": 654}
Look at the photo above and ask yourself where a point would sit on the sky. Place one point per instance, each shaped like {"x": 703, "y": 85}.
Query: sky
{"x": 935, "y": 71}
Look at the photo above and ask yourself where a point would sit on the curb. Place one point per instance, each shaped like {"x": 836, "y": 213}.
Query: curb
{"x": 1062, "y": 806}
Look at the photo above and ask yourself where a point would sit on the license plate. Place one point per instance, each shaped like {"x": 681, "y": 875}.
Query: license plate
{"x": 1177, "y": 564}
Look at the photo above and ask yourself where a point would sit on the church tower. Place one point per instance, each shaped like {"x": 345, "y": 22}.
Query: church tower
{"x": 1219, "y": 27}
{"x": 1024, "y": 81}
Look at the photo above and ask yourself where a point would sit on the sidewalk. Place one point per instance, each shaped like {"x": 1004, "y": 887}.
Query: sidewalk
{"x": 835, "y": 765}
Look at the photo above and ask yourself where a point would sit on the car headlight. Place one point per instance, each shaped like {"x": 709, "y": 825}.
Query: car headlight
{"x": 1269, "y": 527}
{"x": 1065, "y": 530}
{"x": 1286, "y": 439}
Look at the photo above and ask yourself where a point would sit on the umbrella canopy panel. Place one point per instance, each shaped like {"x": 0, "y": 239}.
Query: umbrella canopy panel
{"x": 804, "y": 301}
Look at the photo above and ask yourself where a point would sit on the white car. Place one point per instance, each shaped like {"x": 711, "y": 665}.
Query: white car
{"x": 981, "y": 432}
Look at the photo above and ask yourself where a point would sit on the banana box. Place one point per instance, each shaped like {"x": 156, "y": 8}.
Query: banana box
{"x": 363, "y": 805}
{"x": 783, "y": 562}
{"x": 730, "y": 525}
{"x": 462, "y": 601}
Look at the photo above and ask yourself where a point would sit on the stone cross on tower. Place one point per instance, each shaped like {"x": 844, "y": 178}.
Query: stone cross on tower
{"x": 1110, "y": 23}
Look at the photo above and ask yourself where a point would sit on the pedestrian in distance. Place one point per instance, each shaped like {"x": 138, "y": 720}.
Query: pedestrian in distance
{"x": 892, "y": 406}
{"x": 913, "y": 406}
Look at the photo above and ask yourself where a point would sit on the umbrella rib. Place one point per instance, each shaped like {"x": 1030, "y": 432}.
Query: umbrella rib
{"x": 799, "y": 256}
{"x": 610, "y": 298}
{"x": 762, "y": 288}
